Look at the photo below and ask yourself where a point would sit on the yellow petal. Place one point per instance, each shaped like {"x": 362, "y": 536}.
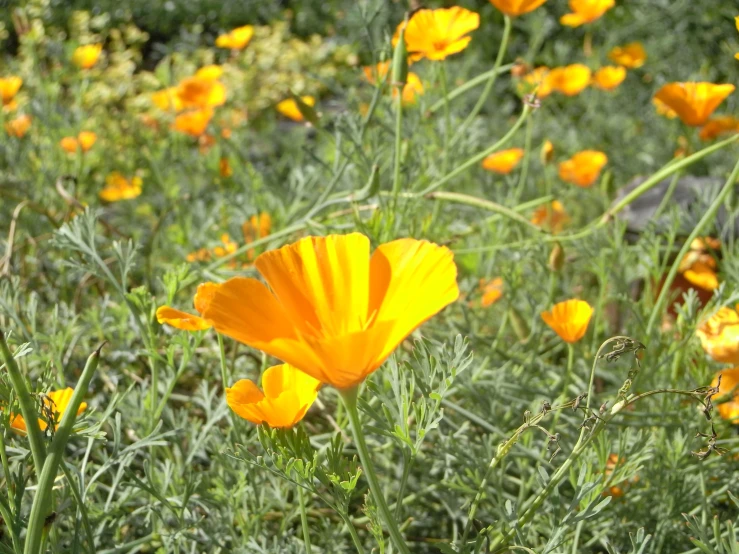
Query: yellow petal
{"x": 181, "y": 320}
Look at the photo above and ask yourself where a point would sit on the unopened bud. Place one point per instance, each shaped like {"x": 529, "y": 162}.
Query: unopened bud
{"x": 547, "y": 152}
{"x": 399, "y": 74}
{"x": 556, "y": 258}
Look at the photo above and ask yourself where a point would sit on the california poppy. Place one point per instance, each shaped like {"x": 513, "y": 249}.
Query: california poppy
{"x": 84, "y": 141}
{"x": 693, "y": 102}
{"x": 547, "y": 151}
{"x": 181, "y": 320}
{"x": 609, "y": 77}
{"x": 569, "y": 319}
{"x": 492, "y": 291}
{"x": 86, "y": 56}
{"x": 117, "y": 187}
{"x": 236, "y": 39}
{"x": 514, "y": 8}
{"x": 504, "y": 161}
{"x": 585, "y": 11}
{"x": 193, "y": 122}
{"x": 333, "y": 311}
{"x": 630, "y": 56}
{"x": 536, "y": 81}
{"x": 552, "y": 217}
{"x": 719, "y": 125}
{"x": 18, "y": 127}
{"x": 729, "y": 389}
{"x": 288, "y": 393}
{"x": 289, "y": 108}
{"x": 719, "y": 336}
{"x": 436, "y": 34}
{"x": 584, "y": 168}
{"x": 9, "y": 87}
{"x": 55, "y": 403}
{"x": 570, "y": 80}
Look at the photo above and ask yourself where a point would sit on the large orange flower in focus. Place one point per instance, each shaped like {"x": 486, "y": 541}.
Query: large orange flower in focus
{"x": 693, "y": 102}
{"x": 436, "y": 34}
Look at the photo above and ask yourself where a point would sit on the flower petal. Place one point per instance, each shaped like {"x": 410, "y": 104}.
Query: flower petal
{"x": 181, "y": 320}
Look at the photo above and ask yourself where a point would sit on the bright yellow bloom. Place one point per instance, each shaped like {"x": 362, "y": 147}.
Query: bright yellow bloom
{"x": 87, "y": 56}
{"x": 504, "y": 161}
{"x": 719, "y": 125}
{"x": 719, "y": 336}
{"x": 413, "y": 85}
{"x": 514, "y": 8}
{"x": 609, "y": 77}
{"x": 332, "y": 310}
{"x": 209, "y": 72}
{"x": 181, "y": 320}
{"x": 84, "y": 141}
{"x": 19, "y": 126}
{"x": 698, "y": 266}
{"x": 536, "y": 80}
{"x": 729, "y": 389}
{"x": 569, "y": 319}
{"x": 583, "y": 169}
{"x": 492, "y": 291}
{"x": 693, "y": 102}
{"x": 193, "y": 122}
{"x": 237, "y": 39}
{"x": 9, "y": 87}
{"x": 288, "y": 393}
{"x": 630, "y": 56}
{"x": 117, "y": 187}
{"x": 55, "y": 402}
{"x": 569, "y": 80}
{"x": 552, "y": 217}
{"x": 289, "y": 108}
{"x": 436, "y": 34}
{"x": 69, "y": 144}
{"x": 167, "y": 100}
{"x": 585, "y": 11}
{"x": 224, "y": 167}
{"x": 199, "y": 92}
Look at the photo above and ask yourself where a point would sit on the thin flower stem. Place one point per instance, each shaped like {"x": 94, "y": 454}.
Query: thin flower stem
{"x": 349, "y": 397}
{"x": 707, "y": 218}
{"x": 565, "y": 384}
{"x": 407, "y": 463}
{"x": 447, "y": 116}
{"x": 10, "y": 484}
{"x": 352, "y": 532}
{"x": 224, "y": 368}
{"x": 303, "y": 520}
{"x": 491, "y": 81}
{"x": 398, "y": 144}
{"x": 526, "y": 160}
{"x": 27, "y": 406}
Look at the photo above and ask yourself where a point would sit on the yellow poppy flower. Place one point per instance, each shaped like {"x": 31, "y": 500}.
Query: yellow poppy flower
{"x": 514, "y": 8}
{"x": 56, "y": 403}
{"x": 630, "y": 56}
{"x": 19, "y": 126}
{"x": 584, "y": 168}
{"x": 289, "y": 108}
{"x": 198, "y": 92}
{"x": 492, "y": 291}
{"x": 117, "y": 187}
{"x": 69, "y": 144}
{"x": 569, "y": 319}
{"x": 436, "y": 34}
{"x": 9, "y": 87}
{"x": 209, "y": 72}
{"x": 719, "y": 336}
{"x": 84, "y": 141}
{"x": 728, "y": 409}
{"x": 332, "y": 310}
{"x": 693, "y": 102}
{"x": 719, "y": 125}
{"x": 86, "y": 56}
{"x": 288, "y": 393}
{"x": 536, "y": 81}
{"x": 236, "y": 39}
{"x": 585, "y": 11}
{"x": 609, "y": 77}
{"x": 193, "y": 122}
{"x": 552, "y": 217}
{"x": 413, "y": 85}
{"x": 181, "y": 320}
{"x": 570, "y": 80}
{"x": 504, "y": 161}
{"x": 167, "y": 100}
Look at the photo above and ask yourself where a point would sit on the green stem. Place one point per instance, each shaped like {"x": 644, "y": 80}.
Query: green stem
{"x": 407, "y": 463}
{"x": 707, "y": 218}
{"x": 27, "y": 405}
{"x": 349, "y": 396}
{"x": 526, "y": 160}
{"x": 491, "y": 81}
{"x": 447, "y": 117}
{"x": 352, "y": 531}
{"x": 566, "y": 383}
{"x": 398, "y": 144}
{"x": 472, "y": 83}
{"x": 42, "y": 502}
{"x": 9, "y": 483}
{"x": 224, "y": 368}
{"x": 303, "y": 519}
{"x": 10, "y": 525}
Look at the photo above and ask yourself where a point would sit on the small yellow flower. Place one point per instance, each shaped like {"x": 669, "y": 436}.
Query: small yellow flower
{"x": 547, "y": 151}
{"x": 87, "y": 56}
{"x": 436, "y": 34}
{"x": 289, "y": 108}
{"x": 504, "y": 161}
{"x": 492, "y": 291}
{"x": 514, "y": 8}
{"x": 9, "y": 87}
{"x": 585, "y": 11}
{"x": 698, "y": 266}
{"x": 609, "y": 77}
{"x": 569, "y": 319}
{"x": 117, "y": 187}
{"x": 630, "y": 56}
{"x": 570, "y": 80}
{"x": 19, "y": 126}
{"x": 719, "y": 336}
{"x": 236, "y": 39}
{"x": 719, "y": 125}
{"x": 552, "y": 217}
{"x": 288, "y": 393}
{"x": 69, "y": 144}
{"x": 56, "y": 403}
{"x": 584, "y": 168}
{"x": 84, "y": 141}
{"x": 728, "y": 409}
{"x": 193, "y": 122}
{"x": 693, "y": 102}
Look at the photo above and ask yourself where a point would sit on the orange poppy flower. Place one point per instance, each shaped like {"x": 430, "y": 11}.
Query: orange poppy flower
{"x": 436, "y": 34}
{"x": 630, "y": 56}
{"x": 224, "y": 167}
{"x": 719, "y": 336}
{"x": 504, "y": 161}
{"x": 618, "y": 490}
{"x": 86, "y": 56}
{"x": 536, "y": 81}
{"x": 19, "y": 126}
{"x": 201, "y": 92}
{"x": 9, "y": 87}
{"x": 570, "y": 80}
{"x": 55, "y": 403}
{"x": 728, "y": 409}
{"x": 289, "y": 108}
{"x": 585, "y": 11}
{"x": 167, "y": 100}
{"x": 584, "y": 168}
{"x": 569, "y": 319}
{"x": 719, "y": 125}
{"x": 413, "y": 85}
{"x": 181, "y": 320}
{"x": 698, "y": 266}
{"x": 193, "y": 122}
{"x": 609, "y": 77}
{"x": 117, "y": 187}
{"x": 69, "y": 144}
{"x": 84, "y": 141}
{"x": 236, "y": 39}
{"x": 332, "y": 310}
{"x": 514, "y": 8}
{"x": 492, "y": 291}
{"x": 693, "y": 102}
{"x": 288, "y": 393}
{"x": 552, "y": 217}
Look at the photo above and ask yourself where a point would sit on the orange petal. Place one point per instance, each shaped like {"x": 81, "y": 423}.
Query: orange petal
{"x": 181, "y": 320}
